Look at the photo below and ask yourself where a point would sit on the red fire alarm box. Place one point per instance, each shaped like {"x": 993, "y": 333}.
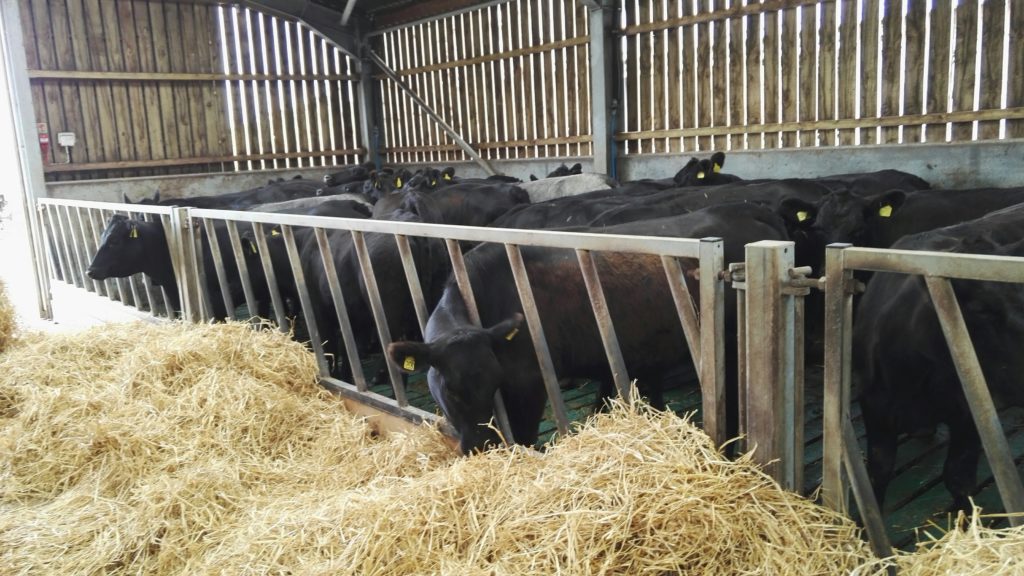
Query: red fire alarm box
{"x": 44, "y": 141}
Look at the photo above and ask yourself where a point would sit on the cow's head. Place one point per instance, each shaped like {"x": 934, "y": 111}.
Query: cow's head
{"x": 706, "y": 172}
{"x": 464, "y": 375}
{"x": 122, "y": 250}
{"x": 846, "y": 217}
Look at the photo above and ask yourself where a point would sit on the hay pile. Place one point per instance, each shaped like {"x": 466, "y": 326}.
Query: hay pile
{"x": 8, "y": 320}
{"x": 133, "y": 448}
{"x": 208, "y": 450}
{"x": 972, "y": 551}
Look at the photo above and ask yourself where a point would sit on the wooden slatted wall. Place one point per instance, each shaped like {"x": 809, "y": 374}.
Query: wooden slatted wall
{"x": 512, "y": 79}
{"x": 753, "y": 74}
{"x": 155, "y": 87}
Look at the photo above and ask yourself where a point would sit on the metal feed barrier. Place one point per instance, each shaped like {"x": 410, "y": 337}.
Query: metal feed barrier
{"x": 75, "y": 227}
{"x": 840, "y": 443}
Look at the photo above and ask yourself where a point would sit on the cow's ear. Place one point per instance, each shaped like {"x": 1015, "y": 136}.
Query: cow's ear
{"x": 506, "y": 330}
{"x": 797, "y": 213}
{"x": 533, "y": 178}
{"x": 125, "y": 199}
{"x": 156, "y": 197}
{"x": 885, "y": 205}
{"x": 410, "y": 356}
{"x": 577, "y": 168}
{"x": 447, "y": 173}
{"x": 717, "y": 161}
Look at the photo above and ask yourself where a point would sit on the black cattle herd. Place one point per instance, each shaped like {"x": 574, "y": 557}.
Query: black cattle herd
{"x": 902, "y": 366}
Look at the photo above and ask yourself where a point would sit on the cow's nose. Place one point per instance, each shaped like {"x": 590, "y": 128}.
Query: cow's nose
{"x": 329, "y": 179}
{"x": 93, "y": 273}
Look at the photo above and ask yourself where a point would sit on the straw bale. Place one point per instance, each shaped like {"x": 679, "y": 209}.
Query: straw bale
{"x": 967, "y": 549}
{"x": 8, "y": 319}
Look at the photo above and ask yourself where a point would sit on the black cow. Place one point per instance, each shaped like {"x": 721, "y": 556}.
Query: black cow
{"x": 275, "y": 191}
{"x": 902, "y": 363}
{"x": 129, "y": 246}
{"x": 468, "y": 364}
{"x": 349, "y": 174}
{"x": 877, "y": 221}
{"x": 562, "y": 170}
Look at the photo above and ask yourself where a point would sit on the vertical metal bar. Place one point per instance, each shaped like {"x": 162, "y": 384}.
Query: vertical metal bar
{"x": 684, "y": 305}
{"x": 798, "y": 395}
{"x": 82, "y": 252}
{"x": 218, "y": 266}
{"x": 48, "y": 232}
{"x": 379, "y": 316}
{"x": 540, "y": 342}
{"x": 307, "y": 308}
{"x": 604, "y": 323}
{"x": 742, "y": 369}
{"x": 94, "y": 235}
{"x": 712, "y": 335}
{"x": 62, "y": 247}
{"x": 341, "y": 309}
{"x": 183, "y": 254}
{"x": 194, "y": 237}
{"x": 986, "y": 418}
{"x": 837, "y": 358}
{"x": 600, "y": 93}
{"x": 466, "y": 290}
{"x": 150, "y": 291}
{"x": 368, "y": 112}
{"x": 415, "y": 290}
{"x": 243, "y": 268}
{"x": 864, "y": 495}
{"x": 168, "y": 310}
{"x": 770, "y": 396}
{"x": 268, "y": 270}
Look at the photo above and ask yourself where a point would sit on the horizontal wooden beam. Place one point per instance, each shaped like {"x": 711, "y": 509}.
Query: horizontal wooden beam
{"x": 577, "y": 41}
{"x": 737, "y": 11}
{"x": 844, "y": 124}
{"x": 169, "y": 162}
{"x": 176, "y": 76}
{"x": 492, "y": 145}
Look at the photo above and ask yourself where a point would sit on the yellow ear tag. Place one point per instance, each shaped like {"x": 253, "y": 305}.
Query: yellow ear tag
{"x": 253, "y": 248}
{"x": 885, "y": 211}
{"x": 398, "y": 182}
{"x": 512, "y": 334}
{"x": 700, "y": 175}
{"x": 716, "y": 168}
{"x": 801, "y": 216}
{"x": 433, "y": 182}
{"x": 409, "y": 363}
{"x": 447, "y": 176}
{"x": 275, "y": 232}
{"x": 134, "y": 233}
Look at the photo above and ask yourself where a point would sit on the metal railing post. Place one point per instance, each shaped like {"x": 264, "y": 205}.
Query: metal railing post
{"x": 771, "y": 388}
{"x": 838, "y": 343}
{"x": 183, "y": 257}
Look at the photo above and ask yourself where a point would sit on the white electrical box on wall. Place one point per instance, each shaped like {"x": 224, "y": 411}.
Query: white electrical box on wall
{"x": 66, "y": 138}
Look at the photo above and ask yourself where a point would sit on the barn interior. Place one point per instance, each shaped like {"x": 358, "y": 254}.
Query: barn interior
{"x": 114, "y": 102}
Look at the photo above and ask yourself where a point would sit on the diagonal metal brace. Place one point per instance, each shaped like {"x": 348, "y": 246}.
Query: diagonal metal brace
{"x": 430, "y": 112}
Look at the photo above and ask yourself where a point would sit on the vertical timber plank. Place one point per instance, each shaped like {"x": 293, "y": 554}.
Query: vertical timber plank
{"x": 1015, "y": 85}
{"x": 992, "y": 65}
{"x": 964, "y": 56}
{"x": 869, "y": 42}
{"x": 914, "y": 76}
{"x": 772, "y": 89}
{"x": 847, "y": 63}
{"x": 754, "y": 93}
{"x": 827, "y": 72}
{"x": 808, "y": 82}
{"x": 791, "y": 70}
{"x": 892, "y": 63}
{"x": 938, "y": 66}
{"x": 720, "y": 77}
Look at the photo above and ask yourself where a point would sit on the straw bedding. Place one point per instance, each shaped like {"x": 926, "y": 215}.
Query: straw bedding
{"x": 178, "y": 449}
{"x": 8, "y": 320}
{"x": 971, "y": 549}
